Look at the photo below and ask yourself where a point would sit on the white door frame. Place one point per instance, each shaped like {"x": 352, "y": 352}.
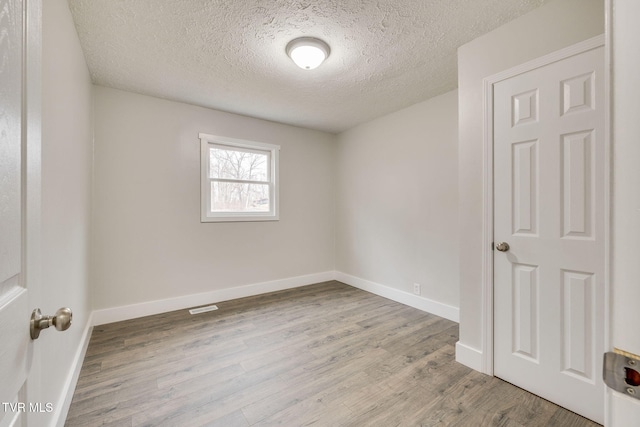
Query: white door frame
{"x": 487, "y": 172}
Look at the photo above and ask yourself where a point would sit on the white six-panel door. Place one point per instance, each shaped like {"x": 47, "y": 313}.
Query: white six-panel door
{"x": 16, "y": 348}
{"x": 549, "y": 207}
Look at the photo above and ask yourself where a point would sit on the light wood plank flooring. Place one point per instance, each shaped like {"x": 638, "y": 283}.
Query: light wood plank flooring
{"x": 326, "y": 354}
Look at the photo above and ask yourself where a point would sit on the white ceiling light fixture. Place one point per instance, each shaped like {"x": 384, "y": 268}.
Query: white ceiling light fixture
{"x": 308, "y": 52}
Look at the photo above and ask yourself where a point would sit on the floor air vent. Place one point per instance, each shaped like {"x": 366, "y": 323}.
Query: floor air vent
{"x": 203, "y": 309}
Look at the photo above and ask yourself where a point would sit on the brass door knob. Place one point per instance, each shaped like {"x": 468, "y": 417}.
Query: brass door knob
{"x": 502, "y": 246}
{"x": 61, "y": 320}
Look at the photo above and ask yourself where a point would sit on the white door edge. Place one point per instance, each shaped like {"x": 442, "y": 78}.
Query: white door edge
{"x": 32, "y": 165}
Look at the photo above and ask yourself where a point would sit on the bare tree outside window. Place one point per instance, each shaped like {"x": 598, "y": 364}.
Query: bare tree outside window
{"x": 239, "y": 180}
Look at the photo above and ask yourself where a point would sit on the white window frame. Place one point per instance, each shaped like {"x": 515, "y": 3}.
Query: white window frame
{"x": 206, "y": 142}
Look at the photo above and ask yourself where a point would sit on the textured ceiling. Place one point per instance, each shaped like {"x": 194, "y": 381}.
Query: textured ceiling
{"x": 230, "y": 54}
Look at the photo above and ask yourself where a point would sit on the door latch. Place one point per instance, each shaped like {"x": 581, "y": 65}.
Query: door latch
{"x": 621, "y": 372}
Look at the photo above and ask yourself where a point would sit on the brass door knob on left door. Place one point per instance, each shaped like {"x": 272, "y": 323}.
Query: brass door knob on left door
{"x": 61, "y": 320}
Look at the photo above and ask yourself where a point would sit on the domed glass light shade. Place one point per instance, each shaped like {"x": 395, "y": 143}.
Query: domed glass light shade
{"x": 308, "y": 52}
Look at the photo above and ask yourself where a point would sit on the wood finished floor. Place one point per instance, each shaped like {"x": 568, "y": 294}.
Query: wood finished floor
{"x": 326, "y": 355}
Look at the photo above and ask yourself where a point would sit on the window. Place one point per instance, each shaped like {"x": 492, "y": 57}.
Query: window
{"x": 239, "y": 180}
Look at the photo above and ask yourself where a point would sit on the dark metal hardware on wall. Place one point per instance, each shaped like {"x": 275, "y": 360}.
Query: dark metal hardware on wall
{"x": 621, "y": 372}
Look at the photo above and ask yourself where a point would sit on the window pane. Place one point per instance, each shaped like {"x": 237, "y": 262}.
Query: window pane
{"x": 238, "y": 164}
{"x": 238, "y": 197}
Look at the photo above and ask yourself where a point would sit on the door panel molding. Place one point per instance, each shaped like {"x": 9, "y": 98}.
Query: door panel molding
{"x": 487, "y": 355}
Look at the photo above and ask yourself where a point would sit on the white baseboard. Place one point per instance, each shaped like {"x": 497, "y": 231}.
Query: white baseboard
{"x": 415, "y": 301}
{"x": 69, "y": 386}
{"x": 469, "y": 356}
{"x": 116, "y": 314}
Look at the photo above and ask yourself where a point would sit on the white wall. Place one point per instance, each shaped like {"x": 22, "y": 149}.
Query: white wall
{"x": 625, "y": 237}
{"x": 67, "y": 142}
{"x": 149, "y": 243}
{"x": 558, "y": 24}
{"x": 397, "y": 201}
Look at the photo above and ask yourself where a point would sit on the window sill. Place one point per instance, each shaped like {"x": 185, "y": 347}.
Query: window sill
{"x": 239, "y": 218}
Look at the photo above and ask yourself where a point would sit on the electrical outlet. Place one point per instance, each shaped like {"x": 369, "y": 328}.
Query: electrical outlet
{"x": 416, "y": 288}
